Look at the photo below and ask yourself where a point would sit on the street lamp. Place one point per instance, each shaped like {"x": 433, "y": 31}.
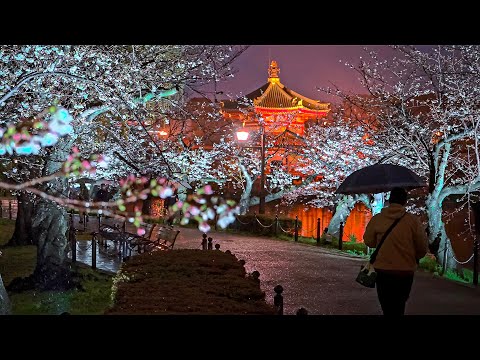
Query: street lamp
{"x": 242, "y": 136}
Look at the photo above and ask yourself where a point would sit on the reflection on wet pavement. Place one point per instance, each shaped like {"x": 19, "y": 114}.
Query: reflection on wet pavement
{"x": 107, "y": 259}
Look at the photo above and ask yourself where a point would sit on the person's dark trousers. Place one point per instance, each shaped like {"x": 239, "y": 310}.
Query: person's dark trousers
{"x": 393, "y": 291}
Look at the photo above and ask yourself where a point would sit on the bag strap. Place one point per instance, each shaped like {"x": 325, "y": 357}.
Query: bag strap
{"x": 375, "y": 253}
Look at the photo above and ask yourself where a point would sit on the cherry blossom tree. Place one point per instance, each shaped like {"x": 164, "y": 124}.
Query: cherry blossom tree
{"x": 331, "y": 152}
{"x": 426, "y": 110}
{"x": 98, "y": 98}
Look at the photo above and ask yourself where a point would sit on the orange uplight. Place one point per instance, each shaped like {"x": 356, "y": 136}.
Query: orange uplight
{"x": 162, "y": 133}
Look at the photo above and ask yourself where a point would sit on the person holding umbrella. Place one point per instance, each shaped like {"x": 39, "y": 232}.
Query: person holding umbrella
{"x": 397, "y": 259}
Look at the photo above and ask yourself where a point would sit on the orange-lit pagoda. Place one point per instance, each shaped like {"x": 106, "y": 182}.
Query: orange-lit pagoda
{"x": 279, "y": 106}
{"x": 284, "y": 113}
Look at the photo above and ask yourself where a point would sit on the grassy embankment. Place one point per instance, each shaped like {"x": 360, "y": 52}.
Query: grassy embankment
{"x": 94, "y": 297}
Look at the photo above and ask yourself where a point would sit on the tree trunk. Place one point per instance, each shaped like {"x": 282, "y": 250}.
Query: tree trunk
{"x": 50, "y": 226}
{"x": 436, "y": 226}
{"x": 344, "y": 206}
{"x": 49, "y": 223}
{"x": 377, "y": 203}
{"x": 247, "y": 193}
{"x": 23, "y": 234}
{"x": 4, "y": 300}
{"x": 245, "y": 202}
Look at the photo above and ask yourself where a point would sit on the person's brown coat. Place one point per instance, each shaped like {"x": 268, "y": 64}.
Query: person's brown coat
{"x": 404, "y": 246}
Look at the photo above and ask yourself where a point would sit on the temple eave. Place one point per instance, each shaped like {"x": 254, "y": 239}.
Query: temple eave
{"x": 300, "y": 109}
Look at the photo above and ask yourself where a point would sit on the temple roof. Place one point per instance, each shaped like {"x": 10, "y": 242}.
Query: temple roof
{"x": 275, "y": 95}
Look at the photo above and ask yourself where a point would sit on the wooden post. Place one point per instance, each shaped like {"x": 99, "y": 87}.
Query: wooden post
{"x": 1, "y": 209}
{"x": 276, "y": 225}
{"x": 10, "y": 209}
{"x": 318, "y": 231}
{"x": 84, "y": 222}
{"x": 217, "y": 246}
{"x": 94, "y": 253}
{"x": 475, "y": 262}
{"x": 210, "y": 245}
{"x": 278, "y": 299}
{"x": 124, "y": 226}
{"x": 296, "y": 228}
{"x": 340, "y": 237}
{"x": 99, "y": 221}
{"x": 204, "y": 241}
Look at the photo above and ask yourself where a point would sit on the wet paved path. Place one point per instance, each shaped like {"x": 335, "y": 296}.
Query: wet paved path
{"x": 320, "y": 280}
{"x": 323, "y": 281}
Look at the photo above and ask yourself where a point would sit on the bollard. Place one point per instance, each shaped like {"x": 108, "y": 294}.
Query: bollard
{"x": 302, "y": 311}
{"x": 340, "y": 237}
{"x": 278, "y": 299}
{"x": 256, "y": 276}
{"x": 217, "y": 246}
{"x": 276, "y": 225}
{"x": 318, "y": 231}
{"x": 99, "y": 221}
{"x": 475, "y": 263}
{"x": 10, "y": 209}
{"x": 210, "y": 245}
{"x": 124, "y": 226}
{"x": 204, "y": 241}
{"x": 94, "y": 253}
{"x": 296, "y": 228}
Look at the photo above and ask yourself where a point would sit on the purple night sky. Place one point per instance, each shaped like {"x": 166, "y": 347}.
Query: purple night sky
{"x": 303, "y": 68}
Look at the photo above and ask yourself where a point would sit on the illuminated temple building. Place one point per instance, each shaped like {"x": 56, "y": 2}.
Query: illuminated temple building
{"x": 286, "y": 115}
{"x": 284, "y": 111}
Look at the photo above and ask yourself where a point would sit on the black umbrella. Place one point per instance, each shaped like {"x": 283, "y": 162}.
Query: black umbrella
{"x": 379, "y": 178}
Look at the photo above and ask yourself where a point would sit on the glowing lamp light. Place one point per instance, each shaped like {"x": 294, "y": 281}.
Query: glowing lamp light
{"x": 242, "y": 135}
{"x": 162, "y": 133}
